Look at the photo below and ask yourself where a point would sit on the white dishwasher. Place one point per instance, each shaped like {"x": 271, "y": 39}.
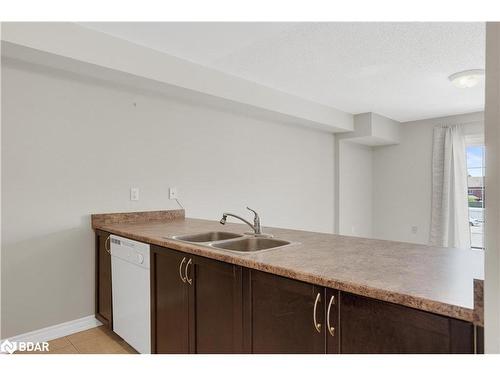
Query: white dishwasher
{"x": 131, "y": 298}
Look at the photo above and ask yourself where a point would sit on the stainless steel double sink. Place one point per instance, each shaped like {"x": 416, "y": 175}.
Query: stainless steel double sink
{"x": 233, "y": 241}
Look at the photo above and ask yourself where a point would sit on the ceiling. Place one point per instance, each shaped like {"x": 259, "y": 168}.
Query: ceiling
{"x": 399, "y": 70}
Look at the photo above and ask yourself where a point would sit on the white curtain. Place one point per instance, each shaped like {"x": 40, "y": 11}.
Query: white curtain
{"x": 450, "y": 212}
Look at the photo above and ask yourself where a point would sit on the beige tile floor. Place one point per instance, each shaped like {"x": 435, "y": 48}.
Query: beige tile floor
{"x": 99, "y": 340}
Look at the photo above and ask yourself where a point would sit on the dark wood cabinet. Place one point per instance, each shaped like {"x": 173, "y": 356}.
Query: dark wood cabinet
{"x": 103, "y": 297}
{"x": 216, "y": 319}
{"x": 283, "y": 315}
{"x": 196, "y": 304}
{"x": 169, "y": 302}
{"x": 200, "y": 305}
{"x": 479, "y": 339}
{"x": 370, "y": 326}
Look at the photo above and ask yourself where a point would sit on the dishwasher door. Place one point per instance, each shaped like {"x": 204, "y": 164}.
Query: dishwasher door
{"x": 131, "y": 292}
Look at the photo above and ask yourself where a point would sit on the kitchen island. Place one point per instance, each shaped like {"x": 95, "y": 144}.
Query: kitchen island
{"x": 331, "y": 292}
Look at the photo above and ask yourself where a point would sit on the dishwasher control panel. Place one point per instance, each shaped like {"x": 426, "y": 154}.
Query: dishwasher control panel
{"x": 129, "y": 250}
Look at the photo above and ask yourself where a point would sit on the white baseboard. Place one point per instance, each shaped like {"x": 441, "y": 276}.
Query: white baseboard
{"x": 57, "y": 331}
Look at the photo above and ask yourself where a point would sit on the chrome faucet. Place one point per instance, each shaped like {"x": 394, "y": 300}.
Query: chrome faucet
{"x": 257, "y": 229}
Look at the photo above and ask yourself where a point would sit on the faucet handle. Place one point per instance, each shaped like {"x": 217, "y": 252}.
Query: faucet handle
{"x": 257, "y": 226}
{"x": 256, "y": 220}
{"x": 255, "y": 212}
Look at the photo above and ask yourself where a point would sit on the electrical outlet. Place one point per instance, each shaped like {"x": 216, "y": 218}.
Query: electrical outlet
{"x": 134, "y": 194}
{"x": 172, "y": 193}
{"x": 414, "y": 229}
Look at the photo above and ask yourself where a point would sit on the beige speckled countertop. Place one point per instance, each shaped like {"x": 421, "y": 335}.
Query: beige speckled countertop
{"x": 438, "y": 280}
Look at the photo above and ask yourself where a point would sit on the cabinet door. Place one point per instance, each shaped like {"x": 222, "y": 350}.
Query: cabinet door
{"x": 376, "y": 327}
{"x": 103, "y": 298}
{"x": 215, "y": 308}
{"x": 284, "y": 315}
{"x": 169, "y": 302}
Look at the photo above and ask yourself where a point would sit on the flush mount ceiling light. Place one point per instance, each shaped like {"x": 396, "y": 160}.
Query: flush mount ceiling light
{"x": 467, "y": 78}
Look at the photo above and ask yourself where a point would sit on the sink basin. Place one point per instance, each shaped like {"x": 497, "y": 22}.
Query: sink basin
{"x": 207, "y": 237}
{"x": 251, "y": 244}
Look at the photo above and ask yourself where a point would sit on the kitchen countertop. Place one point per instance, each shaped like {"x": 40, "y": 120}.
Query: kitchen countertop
{"x": 434, "y": 279}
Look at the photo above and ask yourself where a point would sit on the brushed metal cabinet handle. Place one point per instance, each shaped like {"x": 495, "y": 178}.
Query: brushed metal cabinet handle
{"x": 183, "y": 279}
{"x": 190, "y": 281}
{"x": 106, "y": 245}
{"x": 317, "y": 325}
{"x": 331, "y": 329}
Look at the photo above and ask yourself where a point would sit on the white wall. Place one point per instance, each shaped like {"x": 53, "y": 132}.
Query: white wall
{"x": 492, "y": 139}
{"x": 354, "y": 189}
{"x": 71, "y": 147}
{"x": 402, "y": 179}
{"x": 0, "y": 193}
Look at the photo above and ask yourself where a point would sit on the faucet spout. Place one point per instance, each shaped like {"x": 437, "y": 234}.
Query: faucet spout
{"x": 256, "y": 227}
{"x": 226, "y": 214}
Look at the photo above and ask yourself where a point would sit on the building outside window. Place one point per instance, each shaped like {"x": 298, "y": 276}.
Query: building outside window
{"x": 475, "y": 184}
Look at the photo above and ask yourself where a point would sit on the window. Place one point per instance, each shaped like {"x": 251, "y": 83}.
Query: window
{"x": 475, "y": 184}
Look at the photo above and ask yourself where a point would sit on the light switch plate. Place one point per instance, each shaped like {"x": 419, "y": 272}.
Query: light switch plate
{"x": 134, "y": 194}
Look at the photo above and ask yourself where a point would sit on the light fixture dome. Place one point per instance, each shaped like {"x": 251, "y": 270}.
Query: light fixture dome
{"x": 467, "y": 78}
